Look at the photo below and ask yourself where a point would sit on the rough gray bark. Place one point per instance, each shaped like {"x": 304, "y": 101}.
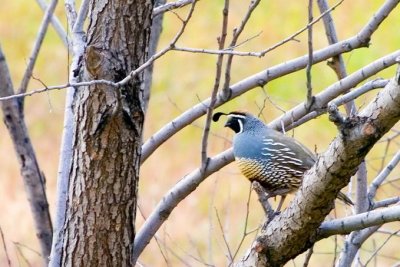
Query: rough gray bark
{"x": 34, "y": 179}
{"x": 296, "y": 229}
{"x": 99, "y": 226}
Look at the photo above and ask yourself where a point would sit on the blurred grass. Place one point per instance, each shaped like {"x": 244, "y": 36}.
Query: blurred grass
{"x": 181, "y": 79}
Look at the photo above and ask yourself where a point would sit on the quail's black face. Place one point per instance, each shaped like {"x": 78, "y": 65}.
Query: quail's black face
{"x": 236, "y": 122}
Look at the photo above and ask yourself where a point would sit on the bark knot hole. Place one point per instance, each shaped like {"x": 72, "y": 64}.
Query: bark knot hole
{"x": 94, "y": 60}
{"x": 369, "y": 129}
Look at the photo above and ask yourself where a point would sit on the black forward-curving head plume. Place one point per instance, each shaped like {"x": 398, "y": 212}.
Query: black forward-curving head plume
{"x": 217, "y": 115}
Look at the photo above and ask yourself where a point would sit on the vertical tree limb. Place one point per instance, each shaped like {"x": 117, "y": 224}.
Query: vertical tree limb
{"x": 34, "y": 179}
{"x": 78, "y": 44}
{"x": 156, "y": 29}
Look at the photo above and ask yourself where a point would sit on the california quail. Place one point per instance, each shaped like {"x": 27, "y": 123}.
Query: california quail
{"x": 269, "y": 157}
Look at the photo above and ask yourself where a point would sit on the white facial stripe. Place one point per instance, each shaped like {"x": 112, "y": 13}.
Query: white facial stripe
{"x": 241, "y": 126}
{"x": 236, "y": 116}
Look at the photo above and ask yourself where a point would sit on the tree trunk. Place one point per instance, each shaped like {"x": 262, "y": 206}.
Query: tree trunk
{"x": 99, "y": 226}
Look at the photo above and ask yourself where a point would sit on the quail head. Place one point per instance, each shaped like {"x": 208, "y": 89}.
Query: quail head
{"x": 277, "y": 162}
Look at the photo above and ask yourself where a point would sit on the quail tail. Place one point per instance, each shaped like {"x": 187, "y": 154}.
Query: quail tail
{"x": 345, "y": 199}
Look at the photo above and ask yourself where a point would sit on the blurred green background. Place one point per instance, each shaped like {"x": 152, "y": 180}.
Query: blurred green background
{"x": 196, "y": 230}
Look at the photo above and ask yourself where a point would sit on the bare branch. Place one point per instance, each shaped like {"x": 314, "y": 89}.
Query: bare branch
{"x": 170, "y": 6}
{"x": 59, "y": 28}
{"x": 33, "y": 178}
{"x": 236, "y": 34}
{"x": 358, "y": 238}
{"x": 323, "y": 98}
{"x": 309, "y": 101}
{"x": 71, "y": 13}
{"x": 262, "y": 197}
{"x": 217, "y": 52}
{"x": 218, "y": 71}
{"x": 229, "y": 50}
{"x": 308, "y": 256}
{"x": 58, "y": 87}
{"x": 382, "y": 177}
{"x": 359, "y": 221}
{"x": 245, "y": 232}
{"x": 350, "y": 96}
{"x": 36, "y": 48}
{"x": 337, "y": 62}
{"x": 386, "y": 202}
{"x": 80, "y": 19}
{"x": 173, "y": 197}
{"x": 378, "y": 83}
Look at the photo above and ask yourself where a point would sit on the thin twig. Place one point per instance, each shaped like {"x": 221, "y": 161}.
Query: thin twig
{"x": 213, "y": 99}
{"x": 245, "y": 233}
{"x": 380, "y": 247}
{"x": 28, "y": 248}
{"x": 267, "y": 50}
{"x": 310, "y": 55}
{"x": 294, "y": 35}
{"x": 308, "y": 256}
{"x": 22, "y": 255}
{"x": 335, "y": 250}
{"x": 236, "y": 34}
{"x": 217, "y": 52}
{"x": 150, "y": 61}
{"x": 224, "y": 237}
{"x": 5, "y": 247}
